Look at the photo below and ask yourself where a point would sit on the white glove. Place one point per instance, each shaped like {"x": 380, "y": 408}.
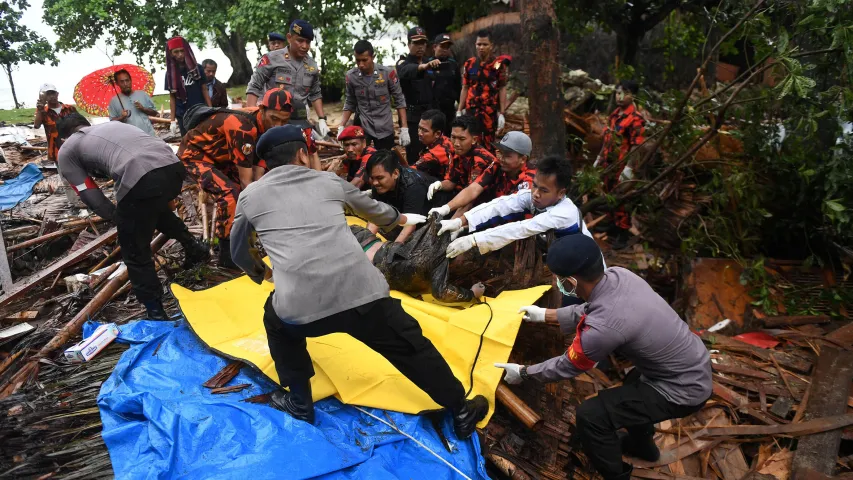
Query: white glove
{"x": 459, "y": 113}
{"x": 434, "y": 187}
{"x": 405, "y": 139}
{"x": 532, "y": 313}
{"x": 450, "y": 226}
{"x": 322, "y": 128}
{"x": 501, "y": 121}
{"x": 627, "y": 174}
{"x": 441, "y": 211}
{"x": 413, "y": 219}
{"x": 513, "y": 372}
{"x": 460, "y": 246}
{"x": 173, "y": 127}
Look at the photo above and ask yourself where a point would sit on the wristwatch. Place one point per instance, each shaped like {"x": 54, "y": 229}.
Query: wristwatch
{"x": 523, "y": 372}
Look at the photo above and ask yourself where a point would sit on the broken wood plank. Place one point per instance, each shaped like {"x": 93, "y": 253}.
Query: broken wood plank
{"x": 746, "y": 372}
{"x": 808, "y": 427}
{"x": 224, "y": 376}
{"x": 20, "y": 288}
{"x": 827, "y": 396}
{"x": 843, "y": 334}
{"x": 723, "y": 342}
{"x": 21, "y": 316}
{"x": 752, "y": 387}
{"x": 517, "y": 407}
{"x": 231, "y": 389}
{"x": 655, "y": 475}
{"x": 729, "y": 395}
{"x": 794, "y": 320}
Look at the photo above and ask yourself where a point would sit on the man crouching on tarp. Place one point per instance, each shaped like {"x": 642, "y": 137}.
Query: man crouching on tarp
{"x": 326, "y": 283}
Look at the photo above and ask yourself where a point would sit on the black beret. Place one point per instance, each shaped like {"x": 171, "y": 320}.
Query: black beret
{"x": 574, "y": 254}
{"x": 303, "y": 29}
{"x": 277, "y": 36}
{"x": 276, "y": 136}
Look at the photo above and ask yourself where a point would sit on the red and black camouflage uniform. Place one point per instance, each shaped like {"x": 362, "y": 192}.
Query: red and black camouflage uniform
{"x": 49, "y": 120}
{"x": 497, "y": 183}
{"x": 629, "y": 127}
{"x": 212, "y": 152}
{"x": 362, "y": 165}
{"x": 434, "y": 159}
{"x": 484, "y": 81}
{"x": 464, "y": 169}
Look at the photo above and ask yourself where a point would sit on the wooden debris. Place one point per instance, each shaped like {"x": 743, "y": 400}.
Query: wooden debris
{"x": 828, "y": 391}
{"x": 224, "y": 376}
{"x": 517, "y": 407}
{"x": 231, "y": 389}
{"x": 793, "y": 321}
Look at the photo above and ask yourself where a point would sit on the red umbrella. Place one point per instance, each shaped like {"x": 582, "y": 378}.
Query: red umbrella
{"x": 94, "y": 92}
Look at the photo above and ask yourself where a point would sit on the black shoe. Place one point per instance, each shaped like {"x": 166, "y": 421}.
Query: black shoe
{"x": 297, "y": 402}
{"x": 639, "y": 446}
{"x": 466, "y": 419}
{"x": 155, "y": 310}
{"x": 627, "y": 469}
{"x": 195, "y": 254}
{"x": 225, "y": 260}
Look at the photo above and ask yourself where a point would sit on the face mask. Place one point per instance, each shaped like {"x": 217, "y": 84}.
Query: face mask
{"x": 563, "y": 290}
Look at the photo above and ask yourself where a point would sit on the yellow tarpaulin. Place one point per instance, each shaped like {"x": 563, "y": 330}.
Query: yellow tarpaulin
{"x": 229, "y": 319}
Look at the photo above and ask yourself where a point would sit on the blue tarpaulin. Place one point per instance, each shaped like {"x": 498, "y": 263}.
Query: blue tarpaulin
{"x": 18, "y": 189}
{"x": 159, "y": 422}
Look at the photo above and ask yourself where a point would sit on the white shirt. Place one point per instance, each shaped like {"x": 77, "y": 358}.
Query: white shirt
{"x": 564, "y": 218}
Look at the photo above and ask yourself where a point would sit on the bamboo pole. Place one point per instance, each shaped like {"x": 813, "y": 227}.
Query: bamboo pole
{"x": 517, "y": 407}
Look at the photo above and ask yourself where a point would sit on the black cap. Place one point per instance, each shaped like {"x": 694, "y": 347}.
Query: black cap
{"x": 276, "y": 36}
{"x": 278, "y": 135}
{"x": 303, "y": 29}
{"x": 574, "y": 254}
{"x": 443, "y": 38}
{"x": 417, "y": 33}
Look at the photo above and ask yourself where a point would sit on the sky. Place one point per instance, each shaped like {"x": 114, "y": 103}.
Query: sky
{"x": 74, "y": 65}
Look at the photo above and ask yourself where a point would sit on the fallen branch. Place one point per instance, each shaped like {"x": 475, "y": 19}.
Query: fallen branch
{"x": 809, "y": 427}
{"x": 45, "y": 238}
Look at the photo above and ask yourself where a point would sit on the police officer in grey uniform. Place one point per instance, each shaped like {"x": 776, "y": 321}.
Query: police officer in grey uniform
{"x": 292, "y": 68}
{"x": 369, "y": 89}
{"x": 416, "y": 79}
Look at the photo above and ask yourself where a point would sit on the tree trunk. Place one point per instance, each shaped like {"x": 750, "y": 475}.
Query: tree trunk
{"x": 541, "y": 41}
{"x": 234, "y": 47}
{"x": 628, "y": 44}
{"x": 8, "y": 69}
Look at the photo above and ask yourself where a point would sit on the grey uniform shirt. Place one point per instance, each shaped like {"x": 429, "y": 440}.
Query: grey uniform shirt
{"x": 319, "y": 268}
{"x": 299, "y": 77}
{"x": 370, "y": 96}
{"x": 624, "y": 314}
{"x": 137, "y": 118}
{"x": 115, "y": 150}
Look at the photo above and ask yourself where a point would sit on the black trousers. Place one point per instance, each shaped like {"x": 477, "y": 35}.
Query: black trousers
{"x": 635, "y": 406}
{"x": 413, "y": 149}
{"x": 449, "y": 115}
{"x": 383, "y": 326}
{"x": 142, "y": 210}
{"x": 386, "y": 143}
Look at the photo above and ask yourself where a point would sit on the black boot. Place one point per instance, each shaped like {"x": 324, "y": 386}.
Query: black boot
{"x": 155, "y": 310}
{"x": 625, "y": 475}
{"x": 297, "y": 402}
{"x": 640, "y": 445}
{"x": 195, "y": 253}
{"x": 465, "y": 419}
{"x": 225, "y": 260}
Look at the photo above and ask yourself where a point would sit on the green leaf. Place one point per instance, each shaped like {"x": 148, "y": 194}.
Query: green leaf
{"x": 782, "y": 42}
{"x": 834, "y": 205}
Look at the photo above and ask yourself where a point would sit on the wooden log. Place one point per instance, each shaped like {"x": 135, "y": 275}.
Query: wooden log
{"x": 106, "y": 260}
{"x": 827, "y": 396}
{"x": 160, "y": 120}
{"x": 19, "y": 289}
{"x": 29, "y": 148}
{"x": 746, "y": 372}
{"x": 30, "y": 370}
{"x": 517, "y": 407}
{"x": 45, "y": 238}
{"x": 794, "y": 320}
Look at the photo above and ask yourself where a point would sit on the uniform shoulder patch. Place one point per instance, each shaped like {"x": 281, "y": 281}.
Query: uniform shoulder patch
{"x": 265, "y": 60}
{"x": 247, "y": 149}
{"x": 392, "y": 75}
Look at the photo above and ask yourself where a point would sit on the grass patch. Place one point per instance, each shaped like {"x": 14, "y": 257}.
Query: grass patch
{"x": 17, "y": 115}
